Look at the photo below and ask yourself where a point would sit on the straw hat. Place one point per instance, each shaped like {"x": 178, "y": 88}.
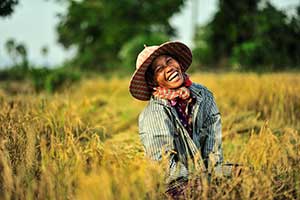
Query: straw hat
{"x": 138, "y": 85}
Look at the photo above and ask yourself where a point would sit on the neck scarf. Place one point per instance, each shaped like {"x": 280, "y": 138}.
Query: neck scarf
{"x": 171, "y": 94}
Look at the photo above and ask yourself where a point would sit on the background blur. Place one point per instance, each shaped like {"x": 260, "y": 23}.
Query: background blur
{"x": 68, "y": 125}
{"x": 106, "y": 35}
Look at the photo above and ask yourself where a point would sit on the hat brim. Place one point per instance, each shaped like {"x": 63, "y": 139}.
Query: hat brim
{"x": 138, "y": 85}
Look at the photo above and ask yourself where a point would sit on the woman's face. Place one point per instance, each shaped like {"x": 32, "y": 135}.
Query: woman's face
{"x": 167, "y": 72}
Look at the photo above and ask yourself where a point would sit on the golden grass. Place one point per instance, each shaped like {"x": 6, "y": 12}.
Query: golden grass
{"x": 83, "y": 143}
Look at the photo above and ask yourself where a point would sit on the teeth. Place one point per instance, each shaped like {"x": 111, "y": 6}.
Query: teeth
{"x": 172, "y": 76}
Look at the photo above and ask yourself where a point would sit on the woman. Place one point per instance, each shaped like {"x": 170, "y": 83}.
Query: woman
{"x": 181, "y": 119}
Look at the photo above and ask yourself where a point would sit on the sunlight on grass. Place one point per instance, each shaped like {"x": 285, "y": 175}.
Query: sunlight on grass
{"x": 83, "y": 143}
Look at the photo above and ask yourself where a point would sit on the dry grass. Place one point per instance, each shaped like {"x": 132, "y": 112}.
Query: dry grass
{"x": 83, "y": 143}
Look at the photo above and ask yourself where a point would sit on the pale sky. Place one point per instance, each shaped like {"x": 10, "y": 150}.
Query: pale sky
{"x": 34, "y": 21}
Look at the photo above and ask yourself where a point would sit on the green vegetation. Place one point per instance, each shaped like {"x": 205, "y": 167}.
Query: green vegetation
{"x": 7, "y": 7}
{"x": 100, "y": 29}
{"x": 53, "y": 80}
{"x": 133, "y": 47}
{"x": 42, "y": 78}
{"x": 46, "y": 79}
{"x": 249, "y": 35}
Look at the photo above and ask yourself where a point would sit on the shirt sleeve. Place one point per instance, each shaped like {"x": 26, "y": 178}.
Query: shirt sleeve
{"x": 212, "y": 127}
{"x": 156, "y": 133}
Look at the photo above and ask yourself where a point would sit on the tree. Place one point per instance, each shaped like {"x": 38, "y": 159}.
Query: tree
{"x": 232, "y": 25}
{"x": 17, "y": 52}
{"x": 45, "y": 52}
{"x": 22, "y": 53}
{"x": 99, "y": 29}
{"x": 250, "y": 34}
{"x": 10, "y": 48}
{"x": 7, "y": 6}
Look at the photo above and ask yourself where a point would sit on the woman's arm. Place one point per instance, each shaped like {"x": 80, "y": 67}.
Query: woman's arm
{"x": 212, "y": 149}
{"x": 156, "y": 132}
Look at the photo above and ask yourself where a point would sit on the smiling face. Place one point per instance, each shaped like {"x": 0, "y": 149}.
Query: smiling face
{"x": 167, "y": 72}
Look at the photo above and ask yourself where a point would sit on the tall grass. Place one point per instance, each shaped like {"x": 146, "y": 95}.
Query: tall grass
{"x": 83, "y": 143}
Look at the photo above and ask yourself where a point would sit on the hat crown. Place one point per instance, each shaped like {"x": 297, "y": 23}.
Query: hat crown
{"x": 147, "y": 51}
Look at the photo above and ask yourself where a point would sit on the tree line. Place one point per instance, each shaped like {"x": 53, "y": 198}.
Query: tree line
{"x": 242, "y": 35}
{"x": 251, "y": 34}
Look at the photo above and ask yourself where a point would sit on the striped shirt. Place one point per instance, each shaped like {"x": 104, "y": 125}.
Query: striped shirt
{"x": 162, "y": 132}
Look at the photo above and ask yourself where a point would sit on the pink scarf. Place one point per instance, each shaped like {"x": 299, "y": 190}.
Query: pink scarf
{"x": 171, "y": 94}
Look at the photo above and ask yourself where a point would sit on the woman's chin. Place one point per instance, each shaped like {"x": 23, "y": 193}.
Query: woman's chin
{"x": 176, "y": 83}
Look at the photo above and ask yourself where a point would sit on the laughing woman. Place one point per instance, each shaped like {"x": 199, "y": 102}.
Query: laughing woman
{"x": 181, "y": 119}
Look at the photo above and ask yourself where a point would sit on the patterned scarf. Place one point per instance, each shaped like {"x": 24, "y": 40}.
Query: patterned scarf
{"x": 171, "y": 94}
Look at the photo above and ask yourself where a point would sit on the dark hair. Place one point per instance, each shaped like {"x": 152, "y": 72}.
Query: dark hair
{"x": 149, "y": 77}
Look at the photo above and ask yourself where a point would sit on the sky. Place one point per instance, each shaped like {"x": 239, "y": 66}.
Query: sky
{"x": 33, "y": 23}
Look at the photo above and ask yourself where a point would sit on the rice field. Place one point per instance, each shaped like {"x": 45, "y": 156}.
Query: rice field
{"x": 83, "y": 142}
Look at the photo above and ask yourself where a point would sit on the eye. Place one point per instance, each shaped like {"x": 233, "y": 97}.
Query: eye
{"x": 169, "y": 60}
{"x": 159, "y": 68}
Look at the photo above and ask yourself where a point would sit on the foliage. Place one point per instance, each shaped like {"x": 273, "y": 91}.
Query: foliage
{"x": 7, "y": 7}
{"x": 38, "y": 77}
{"x": 70, "y": 144}
{"x": 99, "y": 29}
{"x": 42, "y": 79}
{"x": 130, "y": 49}
{"x": 13, "y": 74}
{"x": 52, "y": 79}
{"x": 61, "y": 77}
{"x": 18, "y": 53}
{"x": 256, "y": 34}
{"x": 202, "y": 53}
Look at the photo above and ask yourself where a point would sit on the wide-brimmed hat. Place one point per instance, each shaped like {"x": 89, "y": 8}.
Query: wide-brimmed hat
{"x": 138, "y": 85}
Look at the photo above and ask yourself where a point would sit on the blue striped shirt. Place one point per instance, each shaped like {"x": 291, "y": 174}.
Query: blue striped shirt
{"x": 161, "y": 132}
